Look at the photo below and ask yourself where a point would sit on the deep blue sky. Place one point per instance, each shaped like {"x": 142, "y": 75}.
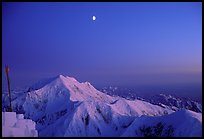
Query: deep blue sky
{"x": 128, "y": 44}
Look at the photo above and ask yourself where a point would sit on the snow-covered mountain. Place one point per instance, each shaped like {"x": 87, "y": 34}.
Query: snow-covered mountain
{"x": 175, "y": 124}
{"x": 61, "y": 106}
{"x": 171, "y": 101}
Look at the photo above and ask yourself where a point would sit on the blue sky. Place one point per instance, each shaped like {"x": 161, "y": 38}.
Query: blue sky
{"x": 128, "y": 43}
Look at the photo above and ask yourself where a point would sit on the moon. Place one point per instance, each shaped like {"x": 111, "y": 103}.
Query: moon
{"x": 94, "y": 18}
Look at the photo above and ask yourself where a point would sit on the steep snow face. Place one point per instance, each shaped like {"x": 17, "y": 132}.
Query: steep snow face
{"x": 105, "y": 119}
{"x": 47, "y": 104}
{"x": 94, "y": 118}
{"x": 182, "y": 123}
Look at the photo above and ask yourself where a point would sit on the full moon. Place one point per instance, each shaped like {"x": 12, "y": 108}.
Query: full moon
{"x": 94, "y": 18}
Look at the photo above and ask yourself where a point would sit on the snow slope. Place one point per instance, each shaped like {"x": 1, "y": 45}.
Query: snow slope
{"x": 182, "y": 123}
{"x": 62, "y": 106}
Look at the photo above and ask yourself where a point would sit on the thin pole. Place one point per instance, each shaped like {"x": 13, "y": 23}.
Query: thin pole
{"x": 9, "y": 93}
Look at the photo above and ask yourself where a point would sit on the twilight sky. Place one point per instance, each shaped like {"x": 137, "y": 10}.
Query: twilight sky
{"x": 127, "y": 44}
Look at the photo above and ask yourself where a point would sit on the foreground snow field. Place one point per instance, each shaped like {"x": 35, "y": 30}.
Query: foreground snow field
{"x": 62, "y": 106}
{"x": 14, "y": 125}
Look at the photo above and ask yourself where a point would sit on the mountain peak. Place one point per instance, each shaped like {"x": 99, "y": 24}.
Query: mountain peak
{"x": 43, "y": 82}
{"x": 65, "y": 78}
{"x": 61, "y": 76}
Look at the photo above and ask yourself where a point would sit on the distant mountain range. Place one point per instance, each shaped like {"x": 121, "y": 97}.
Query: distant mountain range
{"x": 61, "y": 106}
{"x": 163, "y": 100}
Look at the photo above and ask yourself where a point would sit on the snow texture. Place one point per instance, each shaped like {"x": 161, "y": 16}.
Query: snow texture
{"x": 185, "y": 123}
{"x": 16, "y": 126}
